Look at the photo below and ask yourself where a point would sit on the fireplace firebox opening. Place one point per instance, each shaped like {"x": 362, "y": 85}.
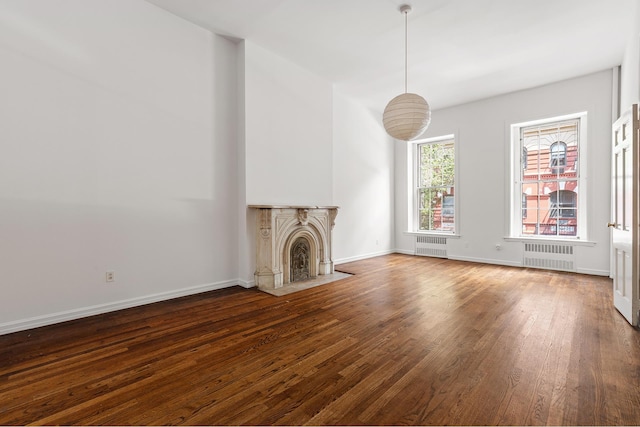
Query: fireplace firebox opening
{"x": 300, "y": 259}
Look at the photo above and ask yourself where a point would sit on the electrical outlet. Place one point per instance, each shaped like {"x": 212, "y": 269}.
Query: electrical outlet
{"x": 110, "y": 276}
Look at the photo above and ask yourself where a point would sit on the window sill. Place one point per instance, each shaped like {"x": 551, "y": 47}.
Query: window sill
{"x": 432, "y": 233}
{"x": 575, "y": 242}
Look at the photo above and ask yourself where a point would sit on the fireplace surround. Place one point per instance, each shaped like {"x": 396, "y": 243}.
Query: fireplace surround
{"x": 293, "y": 244}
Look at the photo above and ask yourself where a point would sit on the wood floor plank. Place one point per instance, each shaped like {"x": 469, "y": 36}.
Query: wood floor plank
{"x": 406, "y": 340}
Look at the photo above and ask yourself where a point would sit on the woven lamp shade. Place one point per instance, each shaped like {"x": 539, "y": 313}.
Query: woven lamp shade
{"x": 406, "y": 116}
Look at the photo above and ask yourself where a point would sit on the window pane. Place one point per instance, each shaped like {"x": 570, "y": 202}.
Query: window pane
{"x": 436, "y": 164}
{"x": 545, "y": 224}
{"x": 530, "y": 145}
{"x": 530, "y": 216}
{"x": 426, "y": 218}
{"x": 436, "y": 209}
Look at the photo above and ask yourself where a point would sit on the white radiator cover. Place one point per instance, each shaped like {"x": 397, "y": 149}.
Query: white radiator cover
{"x": 433, "y": 246}
{"x": 549, "y": 256}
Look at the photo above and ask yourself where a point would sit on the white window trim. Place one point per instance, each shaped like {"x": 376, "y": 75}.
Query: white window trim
{"x": 412, "y": 183}
{"x": 515, "y": 205}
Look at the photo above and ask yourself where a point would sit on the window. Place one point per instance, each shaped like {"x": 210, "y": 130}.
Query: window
{"x": 448, "y": 203}
{"x": 434, "y": 185}
{"x": 558, "y": 157}
{"x": 563, "y": 204}
{"x": 548, "y": 193}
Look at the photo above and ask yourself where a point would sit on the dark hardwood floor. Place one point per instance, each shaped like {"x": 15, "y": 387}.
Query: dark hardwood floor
{"x": 407, "y": 340}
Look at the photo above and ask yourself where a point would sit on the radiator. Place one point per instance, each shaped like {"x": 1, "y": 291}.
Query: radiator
{"x": 431, "y": 246}
{"x": 550, "y": 256}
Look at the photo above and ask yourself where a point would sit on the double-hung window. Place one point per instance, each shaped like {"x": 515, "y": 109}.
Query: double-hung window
{"x": 434, "y": 200}
{"x": 548, "y": 197}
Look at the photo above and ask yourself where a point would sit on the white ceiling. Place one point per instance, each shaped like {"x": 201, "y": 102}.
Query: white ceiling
{"x": 459, "y": 50}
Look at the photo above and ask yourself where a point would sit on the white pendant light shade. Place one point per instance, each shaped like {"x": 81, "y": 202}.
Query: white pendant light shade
{"x": 406, "y": 116}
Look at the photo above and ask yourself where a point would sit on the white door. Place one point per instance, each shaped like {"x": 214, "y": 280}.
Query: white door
{"x": 624, "y": 225}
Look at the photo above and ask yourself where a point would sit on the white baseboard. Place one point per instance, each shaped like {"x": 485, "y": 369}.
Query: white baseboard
{"x": 593, "y": 272}
{"x": 487, "y": 261}
{"x": 361, "y": 257}
{"x": 404, "y": 251}
{"x": 63, "y": 316}
{"x": 519, "y": 264}
{"x": 247, "y": 284}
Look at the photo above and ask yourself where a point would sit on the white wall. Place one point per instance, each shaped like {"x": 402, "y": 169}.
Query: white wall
{"x": 482, "y": 129}
{"x": 117, "y": 153}
{"x": 363, "y": 182}
{"x": 630, "y": 70}
{"x": 288, "y": 131}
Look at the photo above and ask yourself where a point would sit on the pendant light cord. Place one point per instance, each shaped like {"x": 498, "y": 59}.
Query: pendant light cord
{"x": 406, "y": 51}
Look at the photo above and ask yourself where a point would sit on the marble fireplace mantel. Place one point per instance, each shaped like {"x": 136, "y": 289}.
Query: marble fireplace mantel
{"x": 282, "y": 228}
